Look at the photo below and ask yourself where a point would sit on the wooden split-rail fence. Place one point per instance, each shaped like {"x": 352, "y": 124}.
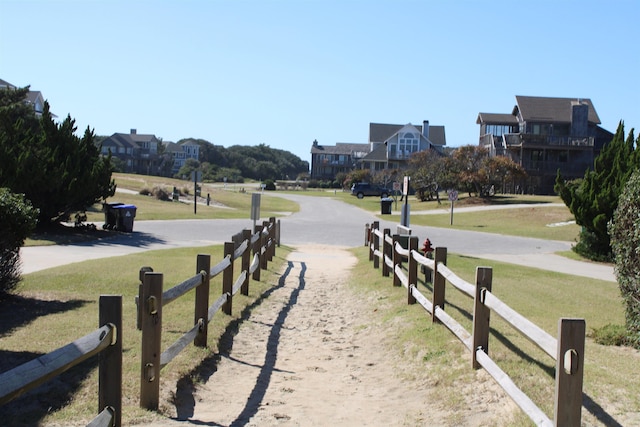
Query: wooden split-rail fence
{"x": 400, "y": 257}
{"x": 106, "y": 341}
{"x": 151, "y": 299}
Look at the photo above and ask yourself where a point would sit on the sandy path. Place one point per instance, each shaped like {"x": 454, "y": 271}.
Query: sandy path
{"x": 309, "y": 356}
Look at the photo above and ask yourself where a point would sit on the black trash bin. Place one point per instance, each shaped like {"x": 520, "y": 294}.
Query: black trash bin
{"x": 124, "y": 217}
{"x": 385, "y": 205}
{"x": 110, "y": 215}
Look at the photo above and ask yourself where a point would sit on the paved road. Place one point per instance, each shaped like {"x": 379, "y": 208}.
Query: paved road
{"x": 320, "y": 220}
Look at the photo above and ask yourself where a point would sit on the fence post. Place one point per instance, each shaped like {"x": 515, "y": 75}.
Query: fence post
{"x": 569, "y": 372}
{"x": 374, "y": 226}
{"x": 278, "y": 232}
{"x": 366, "y": 234}
{"x": 269, "y": 243}
{"x": 151, "y": 307}
{"x": 201, "y": 311}
{"x": 110, "y": 364}
{"x": 376, "y": 248}
{"x": 386, "y": 252}
{"x": 438, "y": 281}
{"x": 397, "y": 260}
{"x": 246, "y": 261}
{"x": 256, "y": 251}
{"x": 227, "y": 278}
{"x": 413, "y": 269}
{"x": 274, "y": 240}
{"x": 141, "y": 273}
{"x": 481, "y": 313}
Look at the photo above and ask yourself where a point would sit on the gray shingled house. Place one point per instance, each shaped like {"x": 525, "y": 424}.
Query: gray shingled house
{"x": 389, "y": 147}
{"x": 543, "y": 135}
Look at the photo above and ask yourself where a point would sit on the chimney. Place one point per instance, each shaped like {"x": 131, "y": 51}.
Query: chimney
{"x": 425, "y": 128}
{"x": 133, "y": 131}
{"x": 579, "y": 118}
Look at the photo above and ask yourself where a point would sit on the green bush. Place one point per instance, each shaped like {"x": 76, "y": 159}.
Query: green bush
{"x": 18, "y": 218}
{"x": 611, "y": 335}
{"x": 269, "y": 185}
{"x": 624, "y": 230}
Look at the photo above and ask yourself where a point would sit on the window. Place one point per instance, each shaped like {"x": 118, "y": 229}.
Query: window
{"x": 498, "y": 130}
{"x": 408, "y": 144}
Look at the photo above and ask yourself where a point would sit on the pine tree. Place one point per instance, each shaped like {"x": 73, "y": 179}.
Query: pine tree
{"x": 593, "y": 200}
{"x": 59, "y": 172}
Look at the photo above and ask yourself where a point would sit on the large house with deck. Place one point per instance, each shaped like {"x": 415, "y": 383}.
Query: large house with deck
{"x": 545, "y": 135}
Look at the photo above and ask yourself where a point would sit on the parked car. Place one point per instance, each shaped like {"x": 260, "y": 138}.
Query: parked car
{"x": 363, "y": 189}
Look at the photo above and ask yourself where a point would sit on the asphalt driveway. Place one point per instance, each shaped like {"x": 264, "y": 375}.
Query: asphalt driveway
{"x": 320, "y": 220}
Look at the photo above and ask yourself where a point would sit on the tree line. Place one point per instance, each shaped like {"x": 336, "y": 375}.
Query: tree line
{"x": 237, "y": 163}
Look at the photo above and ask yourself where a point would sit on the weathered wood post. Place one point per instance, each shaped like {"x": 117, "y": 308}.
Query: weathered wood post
{"x": 376, "y": 249}
{"x": 413, "y": 270}
{"x": 386, "y": 252}
{"x": 201, "y": 312}
{"x": 569, "y": 372}
{"x": 274, "y": 239}
{"x": 246, "y": 261}
{"x": 438, "y": 281}
{"x": 263, "y": 248}
{"x": 256, "y": 251}
{"x": 397, "y": 259}
{"x": 366, "y": 234}
{"x": 151, "y": 307}
{"x": 141, "y": 273}
{"x": 278, "y": 225}
{"x": 374, "y": 226}
{"x": 227, "y": 278}
{"x": 269, "y": 240}
{"x": 110, "y": 359}
{"x": 481, "y": 313}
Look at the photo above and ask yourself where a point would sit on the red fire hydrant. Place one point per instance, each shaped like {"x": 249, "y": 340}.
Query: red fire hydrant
{"x": 427, "y": 248}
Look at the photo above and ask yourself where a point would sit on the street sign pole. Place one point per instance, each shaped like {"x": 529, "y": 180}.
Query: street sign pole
{"x": 453, "y": 196}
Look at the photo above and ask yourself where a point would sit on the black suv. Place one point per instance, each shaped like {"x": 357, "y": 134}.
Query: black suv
{"x": 363, "y": 189}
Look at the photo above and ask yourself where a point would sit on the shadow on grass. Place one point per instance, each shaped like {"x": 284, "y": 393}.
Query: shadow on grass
{"x": 17, "y": 311}
{"x": 86, "y": 236}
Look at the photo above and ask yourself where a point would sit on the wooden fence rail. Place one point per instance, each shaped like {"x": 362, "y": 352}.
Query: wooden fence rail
{"x": 152, "y": 299}
{"x": 105, "y": 341}
{"x": 567, "y": 350}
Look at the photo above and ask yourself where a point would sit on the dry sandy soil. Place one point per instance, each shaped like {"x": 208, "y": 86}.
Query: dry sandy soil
{"x": 308, "y": 356}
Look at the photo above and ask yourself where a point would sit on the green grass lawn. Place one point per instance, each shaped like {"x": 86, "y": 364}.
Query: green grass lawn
{"x": 611, "y": 377}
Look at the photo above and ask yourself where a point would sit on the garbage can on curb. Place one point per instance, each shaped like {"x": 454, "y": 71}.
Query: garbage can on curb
{"x": 385, "y": 205}
{"x": 110, "y": 215}
{"x": 125, "y": 215}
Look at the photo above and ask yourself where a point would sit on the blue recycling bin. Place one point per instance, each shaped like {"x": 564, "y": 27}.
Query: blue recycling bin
{"x": 119, "y": 216}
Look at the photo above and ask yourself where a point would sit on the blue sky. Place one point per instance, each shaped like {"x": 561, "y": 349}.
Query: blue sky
{"x": 284, "y": 72}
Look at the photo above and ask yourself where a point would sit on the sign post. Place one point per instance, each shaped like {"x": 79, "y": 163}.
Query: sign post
{"x": 453, "y": 196}
{"x": 195, "y": 176}
{"x": 255, "y": 209}
{"x": 404, "y": 216}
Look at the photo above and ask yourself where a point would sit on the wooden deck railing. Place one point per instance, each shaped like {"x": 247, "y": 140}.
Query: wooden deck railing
{"x": 105, "y": 341}
{"x": 152, "y": 299}
{"x": 567, "y": 349}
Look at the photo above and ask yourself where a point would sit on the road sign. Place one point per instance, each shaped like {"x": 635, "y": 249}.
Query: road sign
{"x": 453, "y": 195}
